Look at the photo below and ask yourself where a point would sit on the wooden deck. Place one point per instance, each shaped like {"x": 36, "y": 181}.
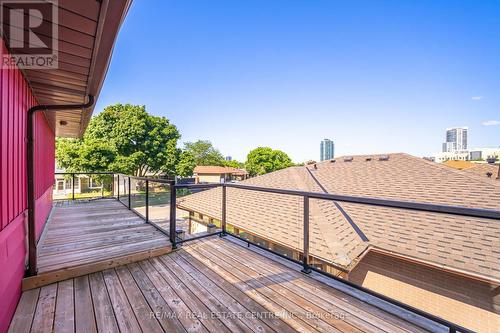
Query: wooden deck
{"x": 88, "y": 236}
{"x": 211, "y": 285}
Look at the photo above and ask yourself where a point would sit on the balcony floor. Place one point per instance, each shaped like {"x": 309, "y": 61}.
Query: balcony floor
{"x": 86, "y": 236}
{"x": 210, "y": 285}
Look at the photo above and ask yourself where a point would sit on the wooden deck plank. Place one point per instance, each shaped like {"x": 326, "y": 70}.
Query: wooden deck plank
{"x": 131, "y": 222}
{"x": 255, "y": 293}
{"x": 137, "y": 301}
{"x": 127, "y": 322}
{"x": 82, "y": 234}
{"x": 104, "y": 238}
{"x": 97, "y": 228}
{"x": 43, "y": 320}
{"x": 189, "y": 297}
{"x": 21, "y": 322}
{"x": 56, "y": 236}
{"x": 104, "y": 252}
{"x": 250, "y": 304}
{"x": 83, "y": 245}
{"x": 104, "y": 315}
{"x": 375, "y": 316}
{"x": 64, "y": 321}
{"x": 341, "y": 319}
{"x": 84, "y": 310}
{"x": 49, "y": 277}
{"x": 169, "y": 318}
{"x": 210, "y": 301}
{"x": 189, "y": 290}
{"x": 316, "y": 321}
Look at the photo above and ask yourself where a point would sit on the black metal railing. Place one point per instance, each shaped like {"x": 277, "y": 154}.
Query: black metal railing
{"x": 126, "y": 197}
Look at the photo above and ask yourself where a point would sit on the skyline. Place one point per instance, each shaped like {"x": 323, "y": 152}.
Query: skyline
{"x": 373, "y": 77}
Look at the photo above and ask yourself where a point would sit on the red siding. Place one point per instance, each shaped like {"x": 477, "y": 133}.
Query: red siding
{"x": 15, "y": 100}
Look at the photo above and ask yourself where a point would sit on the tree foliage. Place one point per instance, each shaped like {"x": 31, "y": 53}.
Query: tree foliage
{"x": 204, "y": 153}
{"x": 263, "y": 160}
{"x": 126, "y": 139}
{"x": 234, "y": 164}
{"x": 186, "y": 164}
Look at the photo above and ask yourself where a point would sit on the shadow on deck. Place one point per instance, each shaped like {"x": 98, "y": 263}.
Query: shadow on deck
{"x": 83, "y": 237}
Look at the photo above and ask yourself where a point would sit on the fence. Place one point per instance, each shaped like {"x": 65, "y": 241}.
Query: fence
{"x": 155, "y": 200}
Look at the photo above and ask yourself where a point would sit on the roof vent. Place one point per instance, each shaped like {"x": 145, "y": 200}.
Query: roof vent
{"x": 368, "y": 159}
{"x": 489, "y": 174}
{"x": 348, "y": 159}
{"x": 332, "y": 161}
{"x": 383, "y": 158}
{"x": 315, "y": 166}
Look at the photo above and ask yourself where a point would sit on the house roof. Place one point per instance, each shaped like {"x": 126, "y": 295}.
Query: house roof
{"x": 215, "y": 170}
{"x": 483, "y": 169}
{"x": 459, "y": 243}
{"x": 458, "y": 164}
{"x": 87, "y": 31}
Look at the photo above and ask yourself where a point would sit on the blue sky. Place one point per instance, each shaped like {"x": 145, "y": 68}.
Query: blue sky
{"x": 374, "y": 76}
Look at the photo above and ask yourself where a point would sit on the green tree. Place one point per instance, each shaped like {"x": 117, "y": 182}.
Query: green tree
{"x": 264, "y": 160}
{"x": 186, "y": 164}
{"x": 204, "y": 153}
{"x": 234, "y": 164}
{"x": 126, "y": 139}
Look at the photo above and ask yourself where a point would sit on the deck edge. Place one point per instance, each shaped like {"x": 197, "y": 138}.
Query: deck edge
{"x": 50, "y": 277}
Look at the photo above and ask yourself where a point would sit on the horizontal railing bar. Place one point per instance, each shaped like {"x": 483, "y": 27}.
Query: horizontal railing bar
{"x": 85, "y": 173}
{"x": 151, "y": 179}
{"x": 197, "y": 185}
{"x": 434, "y": 208}
{"x": 418, "y": 206}
{"x": 218, "y": 233}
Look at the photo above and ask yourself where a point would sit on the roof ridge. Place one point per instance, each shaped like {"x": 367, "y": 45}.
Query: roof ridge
{"x": 338, "y": 253}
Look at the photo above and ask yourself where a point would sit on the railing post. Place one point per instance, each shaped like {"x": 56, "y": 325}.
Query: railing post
{"x": 113, "y": 185}
{"x": 147, "y": 200}
{"x": 72, "y": 186}
{"x": 173, "y": 200}
{"x": 223, "y": 222}
{"x": 118, "y": 186}
{"x": 305, "y": 262}
{"x": 129, "y": 194}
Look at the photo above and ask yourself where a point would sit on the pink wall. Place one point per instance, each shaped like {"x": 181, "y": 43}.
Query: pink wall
{"x": 15, "y": 100}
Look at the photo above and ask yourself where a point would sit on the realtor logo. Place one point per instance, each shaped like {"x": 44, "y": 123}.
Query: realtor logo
{"x": 30, "y": 32}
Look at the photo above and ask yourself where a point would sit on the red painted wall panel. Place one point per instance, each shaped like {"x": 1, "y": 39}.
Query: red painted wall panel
{"x": 15, "y": 100}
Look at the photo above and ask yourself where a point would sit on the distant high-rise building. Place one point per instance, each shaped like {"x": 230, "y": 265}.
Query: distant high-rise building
{"x": 228, "y": 158}
{"x": 327, "y": 148}
{"x": 456, "y": 139}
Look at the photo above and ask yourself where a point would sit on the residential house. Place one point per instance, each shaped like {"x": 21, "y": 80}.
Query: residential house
{"x": 84, "y": 184}
{"x": 218, "y": 174}
{"x": 445, "y": 264}
{"x": 483, "y": 170}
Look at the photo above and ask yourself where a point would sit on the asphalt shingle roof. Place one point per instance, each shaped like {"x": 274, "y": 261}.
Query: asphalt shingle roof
{"x": 465, "y": 243}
